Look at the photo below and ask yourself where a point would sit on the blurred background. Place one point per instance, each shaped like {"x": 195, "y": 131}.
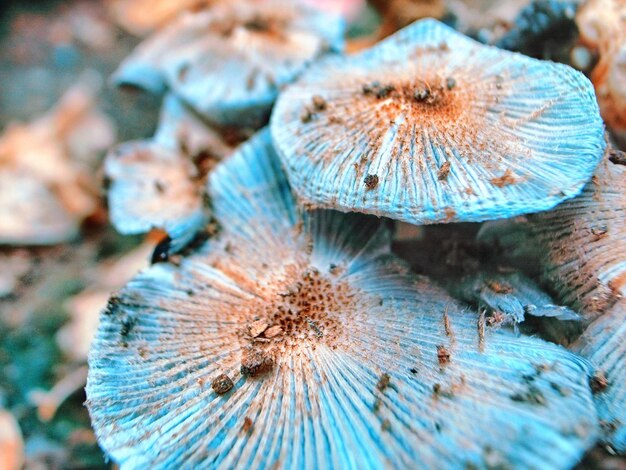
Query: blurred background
{"x": 58, "y": 117}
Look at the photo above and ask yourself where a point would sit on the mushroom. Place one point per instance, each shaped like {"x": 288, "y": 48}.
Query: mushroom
{"x": 159, "y": 183}
{"x": 430, "y": 126}
{"x": 46, "y": 188}
{"x": 230, "y": 62}
{"x": 296, "y": 339}
{"x": 580, "y": 246}
{"x": 602, "y": 25}
{"x": 604, "y": 343}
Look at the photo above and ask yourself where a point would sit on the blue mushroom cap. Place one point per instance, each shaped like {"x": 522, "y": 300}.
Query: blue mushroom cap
{"x": 430, "y": 126}
{"x": 159, "y": 183}
{"x": 229, "y": 62}
{"x": 297, "y": 340}
{"x": 604, "y": 344}
{"x": 580, "y": 245}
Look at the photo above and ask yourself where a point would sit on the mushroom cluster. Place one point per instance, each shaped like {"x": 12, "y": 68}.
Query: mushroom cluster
{"x": 289, "y": 335}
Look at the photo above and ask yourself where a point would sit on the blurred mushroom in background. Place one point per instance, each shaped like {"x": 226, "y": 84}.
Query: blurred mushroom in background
{"x": 230, "y": 62}
{"x": 396, "y": 14}
{"x": 159, "y": 183}
{"x": 46, "y": 169}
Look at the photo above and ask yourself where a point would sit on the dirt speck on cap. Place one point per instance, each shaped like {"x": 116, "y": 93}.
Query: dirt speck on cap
{"x": 598, "y": 382}
{"x": 319, "y": 103}
{"x": 383, "y": 382}
{"x": 506, "y": 179}
{"x": 247, "y": 425}
{"x": 444, "y": 171}
{"x": 371, "y": 181}
{"x": 443, "y": 355}
{"x": 256, "y": 362}
{"x": 222, "y": 384}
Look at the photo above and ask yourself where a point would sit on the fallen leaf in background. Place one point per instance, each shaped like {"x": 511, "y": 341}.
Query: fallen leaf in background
{"x": 602, "y": 25}
{"x": 12, "y": 267}
{"x": 48, "y": 402}
{"x": 11, "y": 443}
{"x": 140, "y": 17}
{"x": 47, "y": 169}
{"x": 487, "y": 15}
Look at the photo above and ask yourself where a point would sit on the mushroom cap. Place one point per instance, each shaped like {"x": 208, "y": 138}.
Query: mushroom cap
{"x": 604, "y": 344}
{"x": 152, "y": 186}
{"x": 430, "y": 126}
{"x": 580, "y": 245}
{"x": 158, "y": 183}
{"x": 297, "y": 341}
{"x": 230, "y": 62}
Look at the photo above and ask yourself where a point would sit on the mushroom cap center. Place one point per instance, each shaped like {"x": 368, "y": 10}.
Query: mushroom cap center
{"x": 312, "y": 309}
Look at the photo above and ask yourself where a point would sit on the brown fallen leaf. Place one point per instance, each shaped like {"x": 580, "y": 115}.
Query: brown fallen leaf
{"x": 11, "y": 442}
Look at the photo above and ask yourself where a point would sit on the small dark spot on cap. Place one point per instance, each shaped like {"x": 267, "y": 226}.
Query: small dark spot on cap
{"x": 159, "y": 187}
{"x": 247, "y": 424}
{"x": 371, "y": 181}
{"x": 598, "y": 382}
{"x": 532, "y": 395}
{"x": 421, "y": 94}
{"x": 222, "y": 384}
{"x": 444, "y": 171}
{"x": 413, "y": 370}
{"x": 450, "y": 83}
{"x": 386, "y": 425}
{"x": 113, "y": 306}
{"x": 161, "y": 252}
{"x": 383, "y": 382}
{"x": 256, "y": 362}
{"x": 617, "y": 157}
{"x": 127, "y": 327}
{"x": 563, "y": 391}
{"x": 319, "y": 103}
{"x": 306, "y": 116}
{"x": 443, "y": 355}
